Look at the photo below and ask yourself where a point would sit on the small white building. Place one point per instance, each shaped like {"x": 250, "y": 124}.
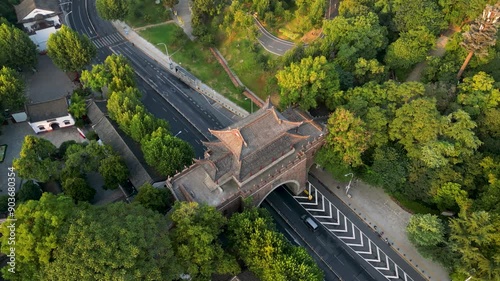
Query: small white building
{"x": 49, "y": 115}
{"x": 40, "y": 18}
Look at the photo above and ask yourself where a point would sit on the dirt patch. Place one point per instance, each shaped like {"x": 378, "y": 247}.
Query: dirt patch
{"x": 311, "y": 35}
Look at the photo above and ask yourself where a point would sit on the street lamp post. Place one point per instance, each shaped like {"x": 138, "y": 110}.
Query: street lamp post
{"x": 166, "y": 50}
{"x": 348, "y": 185}
{"x": 251, "y": 105}
{"x": 178, "y": 133}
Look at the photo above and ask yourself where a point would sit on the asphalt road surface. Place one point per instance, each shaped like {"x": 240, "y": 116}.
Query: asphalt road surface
{"x": 164, "y": 95}
{"x": 333, "y": 257}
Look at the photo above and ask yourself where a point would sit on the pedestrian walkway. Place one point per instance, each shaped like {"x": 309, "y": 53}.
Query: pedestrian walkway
{"x": 382, "y": 214}
{"x": 439, "y": 51}
{"x": 182, "y": 16}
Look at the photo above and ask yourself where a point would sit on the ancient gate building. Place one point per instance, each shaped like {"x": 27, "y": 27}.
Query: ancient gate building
{"x": 251, "y": 158}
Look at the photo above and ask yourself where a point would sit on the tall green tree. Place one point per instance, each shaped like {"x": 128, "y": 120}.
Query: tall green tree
{"x": 12, "y": 95}
{"x": 39, "y": 232}
{"x": 166, "y": 153}
{"x": 459, "y": 12}
{"x": 307, "y": 82}
{"x": 478, "y": 93}
{"x": 29, "y": 191}
{"x": 113, "y": 9}
{"x": 353, "y": 38}
{"x": 78, "y": 106}
{"x": 144, "y": 123}
{"x": 265, "y": 251}
{"x": 123, "y": 105}
{"x": 449, "y": 196}
{"x": 87, "y": 158}
{"x": 132, "y": 244}
{"x": 425, "y": 230}
{"x": 78, "y": 189}
{"x": 195, "y": 241}
{"x": 347, "y": 136}
{"x": 411, "y": 15}
{"x": 36, "y": 159}
{"x": 101, "y": 75}
{"x": 475, "y": 237}
{"x": 369, "y": 70}
{"x": 69, "y": 50}
{"x": 156, "y": 199}
{"x": 17, "y": 48}
{"x": 114, "y": 171}
{"x": 410, "y": 48}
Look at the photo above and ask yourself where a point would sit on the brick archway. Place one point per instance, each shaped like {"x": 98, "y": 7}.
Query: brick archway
{"x": 292, "y": 185}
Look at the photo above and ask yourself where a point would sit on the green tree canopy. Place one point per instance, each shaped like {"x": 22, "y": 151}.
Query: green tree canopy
{"x": 36, "y": 159}
{"x": 425, "y": 230}
{"x": 78, "y": 189}
{"x": 478, "y": 94}
{"x": 307, "y": 82}
{"x": 39, "y": 232}
{"x": 17, "y": 48}
{"x": 156, "y": 199}
{"x": 369, "y": 70}
{"x": 69, "y": 50}
{"x": 347, "y": 136}
{"x": 353, "y": 38}
{"x": 449, "y": 196}
{"x": 410, "y": 48}
{"x": 195, "y": 241}
{"x": 132, "y": 244}
{"x": 87, "y": 158}
{"x": 78, "y": 106}
{"x": 475, "y": 237}
{"x": 11, "y": 90}
{"x": 411, "y": 15}
{"x": 29, "y": 191}
{"x": 114, "y": 171}
{"x": 113, "y": 9}
{"x": 166, "y": 153}
{"x": 459, "y": 11}
{"x": 144, "y": 123}
{"x": 101, "y": 75}
{"x": 266, "y": 252}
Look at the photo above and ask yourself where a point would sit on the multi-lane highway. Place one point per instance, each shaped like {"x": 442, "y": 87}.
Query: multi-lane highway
{"x": 164, "y": 95}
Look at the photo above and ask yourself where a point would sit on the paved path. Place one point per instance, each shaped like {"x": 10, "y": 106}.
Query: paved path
{"x": 439, "y": 51}
{"x": 382, "y": 214}
{"x": 182, "y": 16}
{"x": 152, "y": 25}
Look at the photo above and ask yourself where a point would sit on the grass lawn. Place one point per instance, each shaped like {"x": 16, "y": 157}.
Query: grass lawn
{"x": 195, "y": 58}
{"x": 147, "y": 12}
{"x": 248, "y": 65}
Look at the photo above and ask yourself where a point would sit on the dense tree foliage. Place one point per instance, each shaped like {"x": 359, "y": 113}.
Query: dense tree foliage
{"x": 266, "y": 252}
{"x": 30, "y": 190}
{"x": 166, "y": 153}
{"x": 195, "y": 241}
{"x": 132, "y": 242}
{"x": 39, "y": 232}
{"x": 354, "y": 37}
{"x": 69, "y": 50}
{"x": 11, "y": 90}
{"x": 36, "y": 159}
{"x": 78, "y": 189}
{"x": 17, "y": 48}
{"x": 113, "y": 9}
{"x": 114, "y": 171}
{"x": 156, "y": 199}
{"x": 305, "y": 83}
{"x": 115, "y": 73}
{"x": 425, "y": 230}
{"x": 410, "y": 48}
{"x": 53, "y": 234}
{"x": 78, "y": 106}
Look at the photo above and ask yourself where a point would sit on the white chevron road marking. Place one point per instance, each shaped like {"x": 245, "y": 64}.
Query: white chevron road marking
{"x": 330, "y": 212}
{"x": 378, "y": 257}
{"x": 387, "y": 263}
{"x": 394, "y": 276}
{"x": 369, "y": 247}
{"x": 349, "y": 237}
{"x": 341, "y": 230}
{"x": 336, "y": 221}
{"x": 357, "y": 245}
